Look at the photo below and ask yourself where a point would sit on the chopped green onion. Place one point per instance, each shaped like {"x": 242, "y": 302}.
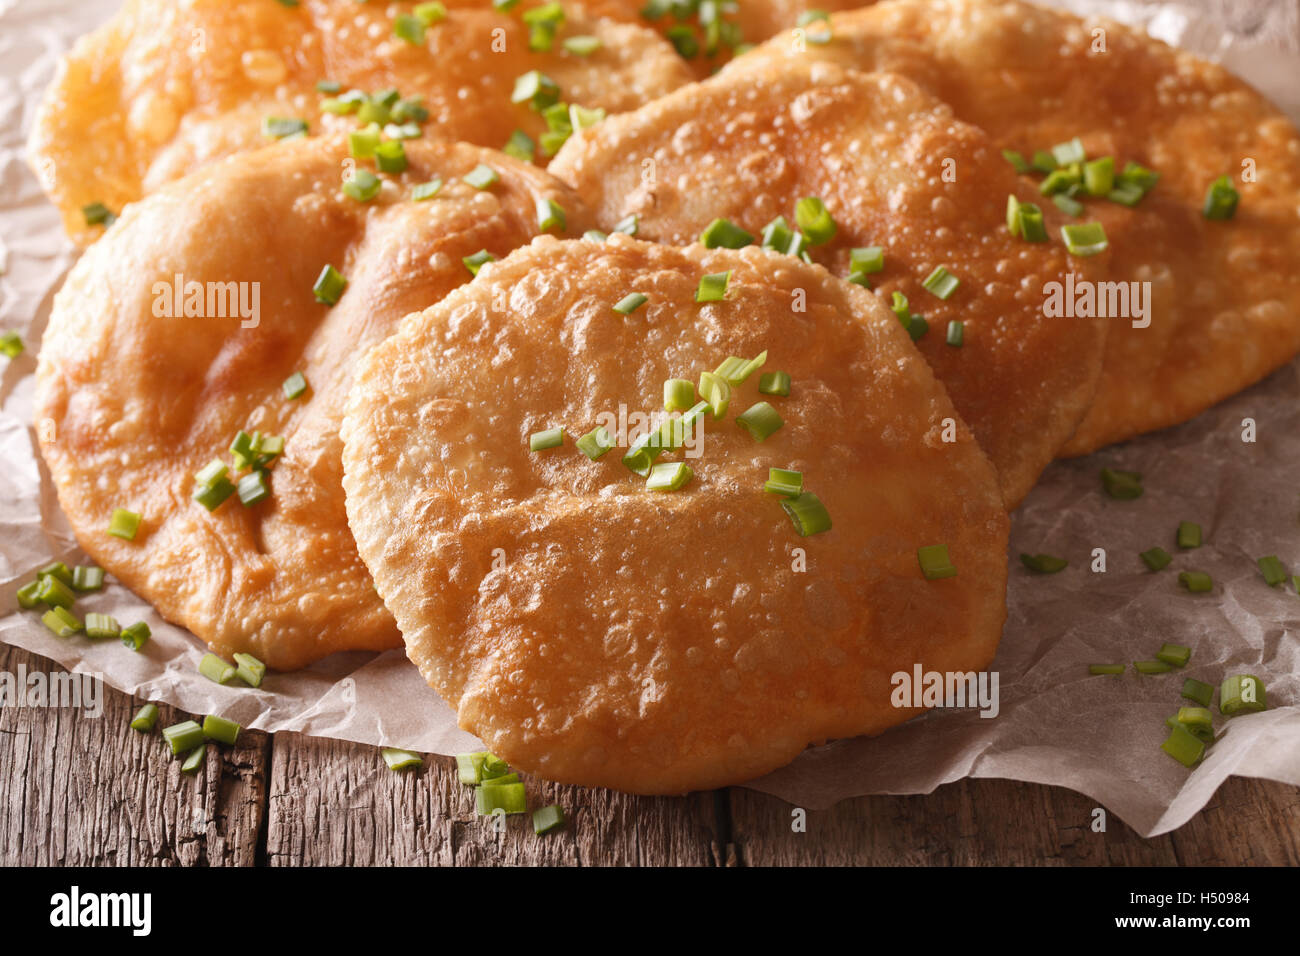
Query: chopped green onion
{"x": 97, "y": 214}
{"x": 329, "y": 286}
{"x": 183, "y": 736}
{"x": 1274, "y": 571}
{"x": 1152, "y": 667}
{"x": 431, "y": 13}
{"x": 866, "y": 259}
{"x": 582, "y": 45}
{"x": 221, "y": 730}
{"x": 760, "y": 420}
{"x": 423, "y": 191}
{"x": 390, "y": 157}
{"x": 1061, "y": 181}
{"x": 469, "y": 768}
{"x": 808, "y": 514}
{"x": 550, "y": 215}
{"x": 11, "y": 345}
{"x": 521, "y": 146}
{"x": 123, "y": 524}
{"x": 1017, "y": 160}
{"x": 253, "y": 488}
{"x": 409, "y": 28}
{"x": 54, "y": 592}
{"x": 478, "y": 260}
{"x": 1124, "y": 485}
{"x": 1099, "y": 176}
{"x": 1139, "y": 177}
{"x": 713, "y": 388}
{"x": 509, "y": 798}
{"x": 215, "y": 669}
{"x": 630, "y": 303}
{"x": 1043, "y": 563}
{"x": 582, "y": 118}
{"x": 194, "y": 759}
{"x": 774, "y": 383}
{"x": 347, "y": 103}
{"x": 547, "y": 819}
{"x": 1198, "y": 691}
{"x": 282, "y": 127}
{"x": 400, "y": 759}
{"x": 713, "y": 287}
{"x": 1176, "y": 654}
{"x": 1196, "y": 719}
{"x": 814, "y": 221}
{"x": 362, "y": 185}
{"x": 788, "y": 484}
{"x": 250, "y": 669}
{"x": 722, "y": 234}
{"x": 668, "y": 477}
{"x": 145, "y": 718}
{"x": 1028, "y": 220}
{"x": 1043, "y": 161}
{"x": 59, "y": 570}
{"x": 61, "y": 621}
{"x": 941, "y": 283}
{"x": 1100, "y": 669}
{"x": 501, "y": 781}
{"x": 1156, "y": 558}
{"x": 1126, "y": 194}
{"x": 734, "y": 371}
{"x": 595, "y": 443}
{"x": 1189, "y": 534}
{"x": 136, "y": 635}
{"x": 537, "y": 89}
{"x": 1071, "y": 207}
{"x": 328, "y": 86}
{"x": 28, "y": 595}
{"x": 494, "y": 766}
{"x": 683, "y": 41}
{"x": 1220, "y": 199}
{"x": 1084, "y": 239}
{"x": 213, "y": 495}
{"x": 1067, "y": 153}
{"x": 550, "y": 438}
{"x": 1184, "y": 746}
{"x": 629, "y": 225}
{"x": 481, "y": 176}
{"x": 776, "y": 235}
{"x": 1198, "y": 582}
{"x": 1242, "y": 692}
{"x": 363, "y": 142}
{"x": 679, "y": 394}
{"x": 102, "y": 626}
{"x": 935, "y": 562}
{"x": 294, "y": 386}
{"x": 956, "y": 333}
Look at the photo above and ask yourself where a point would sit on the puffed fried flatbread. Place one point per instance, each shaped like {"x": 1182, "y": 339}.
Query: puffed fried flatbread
{"x": 1225, "y": 296}
{"x": 597, "y": 633}
{"x": 135, "y": 402}
{"x": 879, "y": 151}
{"x": 166, "y": 86}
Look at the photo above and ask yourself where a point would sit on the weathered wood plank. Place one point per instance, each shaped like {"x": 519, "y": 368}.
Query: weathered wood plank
{"x": 336, "y": 803}
{"x": 1004, "y": 822}
{"x": 83, "y": 791}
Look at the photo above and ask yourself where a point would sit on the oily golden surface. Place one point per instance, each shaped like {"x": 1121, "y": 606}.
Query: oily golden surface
{"x": 166, "y": 86}
{"x": 594, "y": 632}
{"x": 1226, "y": 295}
{"x": 747, "y": 145}
{"x": 136, "y": 402}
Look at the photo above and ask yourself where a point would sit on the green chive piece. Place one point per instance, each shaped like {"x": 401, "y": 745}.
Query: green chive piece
{"x": 580, "y": 117}
{"x": 941, "y": 283}
{"x": 183, "y": 737}
{"x": 1017, "y": 160}
{"x": 595, "y": 235}
{"x": 481, "y": 176}
{"x": 679, "y": 394}
{"x": 1152, "y": 667}
{"x": 774, "y": 383}
{"x": 59, "y": 570}
{"x": 509, "y": 798}
{"x": 124, "y": 524}
{"x": 363, "y": 142}
{"x": 713, "y": 388}
{"x": 547, "y": 819}
{"x": 722, "y": 234}
{"x": 776, "y": 235}
{"x": 521, "y": 146}
{"x": 1043, "y": 161}
{"x": 409, "y": 28}
{"x": 11, "y": 345}
{"x": 145, "y": 719}
{"x": 194, "y": 759}
{"x": 668, "y": 477}
{"x": 1220, "y": 199}
{"x": 1242, "y": 692}
{"x": 1123, "y": 485}
{"x": 814, "y": 220}
{"x": 1071, "y": 207}
{"x": 213, "y": 495}
{"x": 713, "y": 287}
{"x": 760, "y": 420}
{"x": 61, "y": 621}
{"x": 537, "y": 89}
{"x": 253, "y": 488}
{"x": 1184, "y": 746}
{"x": 221, "y": 730}
{"x": 1029, "y": 223}
{"x": 1084, "y": 239}
{"x": 630, "y": 303}
{"x": 808, "y": 514}
{"x": 550, "y": 215}
{"x": 282, "y": 127}
{"x": 431, "y": 13}
{"x": 400, "y": 759}
{"x": 1273, "y": 569}
{"x": 88, "y": 578}
{"x": 469, "y": 768}
{"x": 780, "y": 481}
{"x": 1067, "y": 153}
{"x": 1043, "y": 563}
{"x": 328, "y": 86}
{"x": 867, "y": 259}
{"x": 1176, "y": 654}
{"x": 1156, "y": 558}
{"x": 362, "y": 185}
{"x": 494, "y": 766}
{"x": 501, "y": 781}
{"x": 477, "y": 261}
{"x": 390, "y": 157}
{"x": 54, "y": 592}
{"x": 101, "y": 626}
{"x": 582, "y": 45}
{"x": 294, "y": 386}
{"x": 423, "y": 191}
{"x": 1126, "y": 194}
{"x": 1189, "y": 534}
{"x": 1061, "y": 181}
{"x": 641, "y": 455}
{"x": 595, "y": 443}
{"x": 97, "y": 214}
{"x": 28, "y": 595}
{"x": 215, "y": 669}
{"x": 1198, "y": 582}
{"x": 734, "y": 371}
{"x": 629, "y": 225}
{"x": 1100, "y": 669}
{"x": 956, "y": 333}
{"x": 683, "y": 41}
{"x": 1099, "y": 176}
{"x": 550, "y": 438}
{"x": 1198, "y": 691}
{"x": 935, "y": 563}
{"x": 329, "y": 286}
{"x": 1139, "y": 177}
{"x": 136, "y": 635}
{"x": 250, "y": 670}
{"x": 1198, "y": 720}
{"x": 917, "y": 326}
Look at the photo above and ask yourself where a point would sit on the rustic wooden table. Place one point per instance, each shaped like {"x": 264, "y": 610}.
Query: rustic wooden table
{"x": 81, "y": 791}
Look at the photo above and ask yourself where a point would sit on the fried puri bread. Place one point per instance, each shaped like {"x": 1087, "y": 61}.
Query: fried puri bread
{"x": 166, "y": 86}
{"x": 1224, "y": 296}
{"x": 596, "y": 632}
{"x": 895, "y": 170}
{"x": 141, "y": 381}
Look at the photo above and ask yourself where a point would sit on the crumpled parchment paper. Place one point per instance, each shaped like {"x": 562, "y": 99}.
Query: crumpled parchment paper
{"x": 1057, "y": 725}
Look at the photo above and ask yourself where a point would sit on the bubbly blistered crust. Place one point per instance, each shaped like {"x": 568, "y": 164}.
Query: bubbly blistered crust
{"x": 131, "y": 402}
{"x": 166, "y": 86}
{"x": 1225, "y": 295}
{"x": 596, "y": 633}
{"x": 896, "y": 170}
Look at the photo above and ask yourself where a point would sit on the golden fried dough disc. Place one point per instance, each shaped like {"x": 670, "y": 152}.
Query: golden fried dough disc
{"x": 136, "y": 392}
{"x": 595, "y": 632}
{"x": 895, "y": 170}
{"x": 1224, "y": 296}
{"x": 166, "y": 86}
